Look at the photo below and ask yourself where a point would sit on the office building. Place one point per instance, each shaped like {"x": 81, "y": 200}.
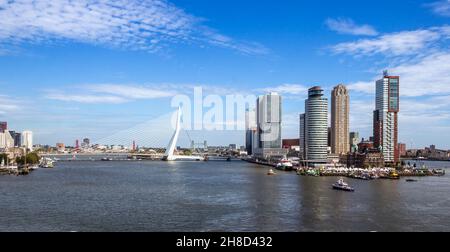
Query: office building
{"x": 3, "y": 127}
{"x": 27, "y": 140}
{"x": 385, "y": 117}
{"x": 250, "y": 129}
{"x": 302, "y": 137}
{"x": 316, "y": 126}
{"x": 268, "y": 134}
{"x": 340, "y": 109}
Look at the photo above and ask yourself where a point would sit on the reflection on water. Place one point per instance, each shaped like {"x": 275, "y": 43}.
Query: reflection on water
{"x": 214, "y": 196}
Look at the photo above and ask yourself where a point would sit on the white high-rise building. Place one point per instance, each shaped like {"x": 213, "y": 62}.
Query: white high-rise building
{"x": 6, "y": 140}
{"x": 27, "y": 139}
{"x": 316, "y": 126}
{"x": 386, "y": 117}
{"x": 268, "y": 119}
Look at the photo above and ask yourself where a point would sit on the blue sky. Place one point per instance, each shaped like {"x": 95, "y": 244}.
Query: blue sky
{"x": 106, "y": 69}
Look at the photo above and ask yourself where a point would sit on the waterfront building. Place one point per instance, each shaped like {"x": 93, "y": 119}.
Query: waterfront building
{"x": 17, "y": 138}
{"x": 27, "y": 140}
{"x": 86, "y": 143}
{"x": 369, "y": 159}
{"x": 302, "y": 135}
{"x": 340, "y": 109}
{"x": 354, "y": 140}
{"x": 385, "y": 118}
{"x": 60, "y": 147}
{"x": 316, "y": 126}
{"x": 3, "y": 127}
{"x": 402, "y": 149}
{"x": 6, "y": 140}
{"x": 268, "y": 120}
{"x": 250, "y": 129}
{"x": 291, "y": 143}
{"x": 365, "y": 145}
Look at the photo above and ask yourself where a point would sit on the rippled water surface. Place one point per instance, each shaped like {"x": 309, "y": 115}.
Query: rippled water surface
{"x": 214, "y": 196}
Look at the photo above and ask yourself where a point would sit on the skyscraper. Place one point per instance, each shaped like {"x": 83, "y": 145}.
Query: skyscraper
{"x": 385, "y": 118}
{"x": 268, "y": 119}
{"x": 302, "y": 136}
{"x": 316, "y": 126}
{"x": 250, "y": 129}
{"x": 340, "y": 120}
{"x": 27, "y": 140}
{"x": 17, "y": 138}
{"x": 3, "y": 126}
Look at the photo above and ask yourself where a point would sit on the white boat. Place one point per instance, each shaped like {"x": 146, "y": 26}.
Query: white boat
{"x": 341, "y": 185}
{"x": 285, "y": 164}
{"x": 46, "y": 162}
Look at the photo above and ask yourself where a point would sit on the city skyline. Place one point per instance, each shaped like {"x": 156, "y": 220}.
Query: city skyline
{"x": 100, "y": 80}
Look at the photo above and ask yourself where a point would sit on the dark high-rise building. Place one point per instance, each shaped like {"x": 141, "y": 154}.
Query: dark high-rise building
{"x": 3, "y": 126}
{"x": 385, "y": 117}
{"x": 17, "y": 138}
{"x": 302, "y": 136}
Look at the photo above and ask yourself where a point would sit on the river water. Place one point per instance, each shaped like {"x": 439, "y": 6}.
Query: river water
{"x": 214, "y": 196}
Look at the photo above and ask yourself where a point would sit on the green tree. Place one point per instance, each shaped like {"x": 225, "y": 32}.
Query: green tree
{"x": 32, "y": 158}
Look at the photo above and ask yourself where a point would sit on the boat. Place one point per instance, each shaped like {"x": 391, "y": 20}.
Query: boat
{"x": 438, "y": 172}
{"x": 106, "y": 159}
{"x": 341, "y": 185}
{"x": 391, "y": 175}
{"x": 285, "y": 165}
{"x": 46, "y": 162}
{"x": 412, "y": 180}
{"x": 271, "y": 172}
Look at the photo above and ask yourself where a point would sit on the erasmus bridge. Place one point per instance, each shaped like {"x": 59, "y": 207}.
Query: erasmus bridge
{"x": 161, "y": 140}
{"x": 169, "y": 155}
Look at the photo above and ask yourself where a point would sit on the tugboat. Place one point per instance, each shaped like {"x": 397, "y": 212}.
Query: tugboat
{"x": 271, "y": 172}
{"x": 341, "y": 185}
{"x": 393, "y": 175}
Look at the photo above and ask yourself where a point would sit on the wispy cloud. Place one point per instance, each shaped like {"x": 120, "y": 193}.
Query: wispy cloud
{"x": 440, "y": 7}
{"x": 394, "y": 44}
{"x": 131, "y": 91}
{"x": 348, "y": 26}
{"x": 290, "y": 89}
{"x": 7, "y": 105}
{"x": 86, "y": 98}
{"x": 428, "y": 76}
{"x": 128, "y": 24}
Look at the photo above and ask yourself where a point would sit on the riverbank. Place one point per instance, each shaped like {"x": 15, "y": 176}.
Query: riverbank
{"x": 358, "y": 173}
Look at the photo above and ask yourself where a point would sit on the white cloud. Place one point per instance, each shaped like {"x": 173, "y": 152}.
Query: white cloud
{"x": 394, "y": 44}
{"x": 292, "y": 89}
{"x": 127, "y": 24}
{"x": 441, "y": 7}
{"x": 348, "y": 26}
{"x": 86, "y": 98}
{"x": 131, "y": 92}
{"x": 8, "y": 105}
{"x": 429, "y": 75}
